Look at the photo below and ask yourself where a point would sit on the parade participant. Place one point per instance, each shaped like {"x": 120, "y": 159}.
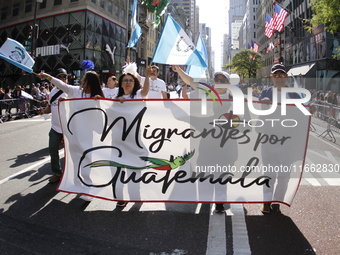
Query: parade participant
{"x": 111, "y": 90}
{"x": 90, "y": 85}
{"x": 130, "y": 88}
{"x": 279, "y": 77}
{"x": 219, "y": 78}
{"x": 55, "y": 134}
{"x": 157, "y": 86}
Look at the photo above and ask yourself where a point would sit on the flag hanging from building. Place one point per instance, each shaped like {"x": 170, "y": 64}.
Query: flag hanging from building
{"x": 136, "y": 30}
{"x": 270, "y": 47}
{"x": 175, "y": 47}
{"x": 15, "y": 53}
{"x": 269, "y": 27}
{"x": 197, "y": 71}
{"x": 280, "y": 16}
{"x": 255, "y": 46}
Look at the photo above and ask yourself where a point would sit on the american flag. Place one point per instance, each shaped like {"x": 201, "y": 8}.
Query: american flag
{"x": 255, "y": 46}
{"x": 269, "y": 27}
{"x": 279, "y": 18}
{"x": 270, "y": 47}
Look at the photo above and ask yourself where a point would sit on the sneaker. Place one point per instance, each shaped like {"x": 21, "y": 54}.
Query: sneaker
{"x": 55, "y": 178}
{"x": 86, "y": 198}
{"x": 219, "y": 208}
{"x": 265, "y": 209}
{"x": 121, "y": 204}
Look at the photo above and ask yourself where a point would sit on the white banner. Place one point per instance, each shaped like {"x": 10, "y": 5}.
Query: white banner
{"x": 167, "y": 151}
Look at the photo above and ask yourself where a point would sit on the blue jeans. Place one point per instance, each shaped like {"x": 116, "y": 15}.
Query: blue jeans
{"x": 53, "y": 147}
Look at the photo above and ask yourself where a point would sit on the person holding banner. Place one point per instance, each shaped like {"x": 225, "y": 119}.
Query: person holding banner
{"x": 129, "y": 86}
{"x": 91, "y": 87}
{"x": 219, "y": 78}
{"x": 111, "y": 90}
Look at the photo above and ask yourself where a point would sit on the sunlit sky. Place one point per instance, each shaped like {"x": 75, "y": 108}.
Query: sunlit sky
{"x": 213, "y": 14}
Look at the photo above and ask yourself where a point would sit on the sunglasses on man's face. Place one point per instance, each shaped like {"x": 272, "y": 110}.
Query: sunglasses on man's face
{"x": 222, "y": 80}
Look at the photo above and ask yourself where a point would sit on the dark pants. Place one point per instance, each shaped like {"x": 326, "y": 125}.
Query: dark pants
{"x": 53, "y": 146}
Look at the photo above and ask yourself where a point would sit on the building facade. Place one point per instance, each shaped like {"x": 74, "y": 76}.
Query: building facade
{"x": 65, "y": 33}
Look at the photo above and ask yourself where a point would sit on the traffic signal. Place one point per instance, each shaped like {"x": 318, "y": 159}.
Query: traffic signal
{"x": 28, "y": 41}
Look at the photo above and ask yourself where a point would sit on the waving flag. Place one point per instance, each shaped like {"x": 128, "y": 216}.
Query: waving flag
{"x": 136, "y": 30}
{"x": 280, "y": 16}
{"x": 255, "y": 46}
{"x": 15, "y": 53}
{"x": 269, "y": 27}
{"x": 270, "y": 47}
{"x": 175, "y": 47}
{"x": 197, "y": 71}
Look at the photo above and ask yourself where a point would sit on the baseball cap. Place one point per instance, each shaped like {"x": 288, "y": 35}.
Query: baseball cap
{"x": 225, "y": 74}
{"x": 61, "y": 71}
{"x": 278, "y": 67}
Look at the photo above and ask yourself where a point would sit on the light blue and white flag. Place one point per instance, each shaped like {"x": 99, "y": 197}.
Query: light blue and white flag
{"x": 135, "y": 28}
{"x": 175, "y": 47}
{"x": 198, "y": 72}
{"x": 15, "y": 53}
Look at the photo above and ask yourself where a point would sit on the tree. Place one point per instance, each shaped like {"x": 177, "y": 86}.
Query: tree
{"x": 245, "y": 63}
{"x": 326, "y": 12}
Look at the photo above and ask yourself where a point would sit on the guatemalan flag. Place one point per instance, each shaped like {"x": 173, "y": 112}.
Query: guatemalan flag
{"x": 280, "y": 16}
{"x": 198, "y": 71}
{"x": 15, "y": 53}
{"x": 135, "y": 27}
{"x": 175, "y": 47}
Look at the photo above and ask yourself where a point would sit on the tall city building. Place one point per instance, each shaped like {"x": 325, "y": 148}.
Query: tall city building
{"x": 189, "y": 7}
{"x": 307, "y": 56}
{"x": 63, "y": 33}
{"x": 235, "y": 16}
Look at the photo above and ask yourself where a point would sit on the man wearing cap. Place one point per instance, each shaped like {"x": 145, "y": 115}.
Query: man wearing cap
{"x": 55, "y": 134}
{"x": 219, "y": 78}
{"x": 279, "y": 77}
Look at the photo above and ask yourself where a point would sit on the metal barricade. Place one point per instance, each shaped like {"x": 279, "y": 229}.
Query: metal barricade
{"x": 328, "y": 116}
{"x": 18, "y": 108}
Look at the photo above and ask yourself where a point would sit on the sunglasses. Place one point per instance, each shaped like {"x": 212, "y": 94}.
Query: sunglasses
{"x": 223, "y": 80}
{"x": 62, "y": 77}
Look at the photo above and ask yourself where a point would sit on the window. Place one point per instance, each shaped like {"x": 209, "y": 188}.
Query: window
{"x": 102, "y": 3}
{"x": 4, "y": 13}
{"x": 72, "y": 1}
{"x": 93, "y": 1}
{"x": 57, "y": 2}
{"x": 15, "y": 10}
{"x": 116, "y": 11}
{"x": 109, "y": 7}
{"x": 42, "y": 5}
{"x": 122, "y": 15}
{"x": 28, "y": 6}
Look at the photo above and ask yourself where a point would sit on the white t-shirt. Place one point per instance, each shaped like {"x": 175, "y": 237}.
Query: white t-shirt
{"x": 69, "y": 90}
{"x": 156, "y": 88}
{"x": 55, "y": 120}
{"x": 110, "y": 93}
{"x": 137, "y": 96}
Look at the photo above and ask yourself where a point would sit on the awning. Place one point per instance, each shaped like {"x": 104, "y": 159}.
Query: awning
{"x": 300, "y": 70}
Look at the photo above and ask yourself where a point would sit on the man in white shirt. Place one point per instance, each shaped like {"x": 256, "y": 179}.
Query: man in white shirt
{"x": 157, "y": 86}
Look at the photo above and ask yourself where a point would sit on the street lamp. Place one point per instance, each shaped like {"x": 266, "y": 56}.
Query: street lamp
{"x": 34, "y": 32}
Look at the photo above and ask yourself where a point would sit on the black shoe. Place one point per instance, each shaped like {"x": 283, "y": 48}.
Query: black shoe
{"x": 219, "y": 208}
{"x": 121, "y": 204}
